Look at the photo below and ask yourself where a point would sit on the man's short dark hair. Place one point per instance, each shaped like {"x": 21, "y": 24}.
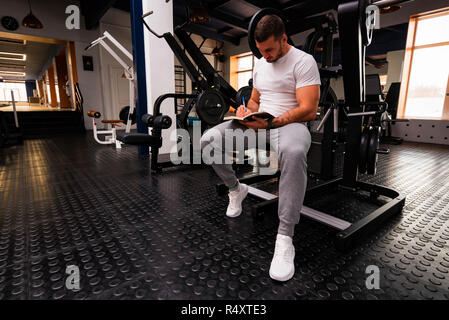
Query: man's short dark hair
{"x": 269, "y": 25}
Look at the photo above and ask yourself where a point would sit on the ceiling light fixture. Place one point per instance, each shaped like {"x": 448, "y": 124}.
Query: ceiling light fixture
{"x": 14, "y": 81}
{"x": 12, "y": 67}
{"x": 13, "y": 56}
{"x": 12, "y": 73}
{"x": 30, "y": 21}
{"x": 199, "y": 15}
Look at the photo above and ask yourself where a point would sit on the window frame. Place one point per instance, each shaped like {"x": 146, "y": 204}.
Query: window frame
{"x": 408, "y": 58}
{"x": 234, "y": 63}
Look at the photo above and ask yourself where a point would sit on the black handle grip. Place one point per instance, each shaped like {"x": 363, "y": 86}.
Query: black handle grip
{"x": 148, "y": 120}
{"x": 147, "y": 14}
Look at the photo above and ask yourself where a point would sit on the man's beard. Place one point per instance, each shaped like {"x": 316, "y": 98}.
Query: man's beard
{"x": 277, "y": 57}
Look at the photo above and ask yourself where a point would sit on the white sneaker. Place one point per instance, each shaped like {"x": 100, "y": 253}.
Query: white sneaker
{"x": 282, "y": 266}
{"x": 235, "y": 200}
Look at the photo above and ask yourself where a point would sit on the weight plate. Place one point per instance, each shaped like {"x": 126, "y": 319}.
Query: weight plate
{"x": 311, "y": 41}
{"x": 252, "y": 27}
{"x": 211, "y": 107}
{"x": 363, "y": 150}
{"x": 123, "y": 115}
{"x": 372, "y": 150}
{"x": 243, "y": 92}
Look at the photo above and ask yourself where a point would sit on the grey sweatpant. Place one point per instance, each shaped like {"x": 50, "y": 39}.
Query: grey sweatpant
{"x": 291, "y": 143}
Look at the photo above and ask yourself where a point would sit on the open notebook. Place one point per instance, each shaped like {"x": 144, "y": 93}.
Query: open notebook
{"x": 260, "y": 114}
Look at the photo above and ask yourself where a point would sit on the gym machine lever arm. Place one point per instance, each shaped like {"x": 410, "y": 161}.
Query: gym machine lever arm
{"x": 107, "y": 35}
{"x": 210, "y": 78}
{"x": 188, "y": 66}
{"x": 333, "y": 108}
{"x": 129, "y": 70}
{"x": 147, "y": 14}
{"x": 383, "y": 107}
{"x": 148, "y": 27}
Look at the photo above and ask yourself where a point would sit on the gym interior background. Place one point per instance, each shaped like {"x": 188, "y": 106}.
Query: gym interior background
{"x": 138, "y": 230}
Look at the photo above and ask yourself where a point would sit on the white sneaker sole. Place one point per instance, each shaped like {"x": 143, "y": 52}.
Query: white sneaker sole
{"x": 285, "y": 278}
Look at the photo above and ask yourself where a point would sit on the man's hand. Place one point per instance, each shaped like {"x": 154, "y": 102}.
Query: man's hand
{"x": 241, "y": 111}
{"x": 257, "y": 123}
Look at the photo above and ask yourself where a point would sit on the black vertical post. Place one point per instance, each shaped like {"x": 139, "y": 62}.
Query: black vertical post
{"x": 353, "y": 63}
{"x": 328, "y": 49}
{"x": 327, "y": 145}
{"x": 139, "y": 67}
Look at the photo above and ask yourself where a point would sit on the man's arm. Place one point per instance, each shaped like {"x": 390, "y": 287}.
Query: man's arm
{"x": 253, "y": 103}
{"x": 308, "y": 98}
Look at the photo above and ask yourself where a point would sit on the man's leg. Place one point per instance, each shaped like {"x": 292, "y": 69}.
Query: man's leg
{"x": 293, "y": 143}
{"x": 209, "y": 138}
{"x": 218, "y": 139}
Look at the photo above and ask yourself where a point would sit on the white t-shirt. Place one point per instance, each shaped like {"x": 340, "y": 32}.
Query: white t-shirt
{"x": 277, "y": 81}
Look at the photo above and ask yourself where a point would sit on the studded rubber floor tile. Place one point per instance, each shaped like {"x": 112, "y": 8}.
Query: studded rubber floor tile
{"x": 105, "y": 264}
{"x": 69, "y": 201}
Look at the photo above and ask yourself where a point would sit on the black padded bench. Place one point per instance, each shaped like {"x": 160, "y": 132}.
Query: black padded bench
{"x": 140, "y": 139}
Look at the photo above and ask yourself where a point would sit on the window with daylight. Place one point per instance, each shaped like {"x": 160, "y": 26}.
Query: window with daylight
{"x": 425, "y": 78}
{"x": 20, "y": 93}
{"x": 241, "y": 69}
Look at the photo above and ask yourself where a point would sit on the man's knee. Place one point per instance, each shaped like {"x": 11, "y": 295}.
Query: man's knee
{"x": 296, "y": 151}
{"x": 208, "y": 137}
{"x": 205, "y": 140}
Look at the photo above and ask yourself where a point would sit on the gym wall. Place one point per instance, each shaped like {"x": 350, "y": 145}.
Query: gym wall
{"x": 426, "y": 131}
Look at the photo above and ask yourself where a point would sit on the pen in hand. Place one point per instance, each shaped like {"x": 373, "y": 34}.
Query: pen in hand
{"x": 244, "y": 105}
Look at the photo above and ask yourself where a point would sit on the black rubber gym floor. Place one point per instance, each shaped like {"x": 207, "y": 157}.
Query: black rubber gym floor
{"x": 69, "y": 201}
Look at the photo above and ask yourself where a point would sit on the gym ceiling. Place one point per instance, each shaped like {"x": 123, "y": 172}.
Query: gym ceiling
{"x": 229, "y": 19}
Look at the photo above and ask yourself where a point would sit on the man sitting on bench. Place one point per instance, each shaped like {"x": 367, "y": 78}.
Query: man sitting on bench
{"x": 287, "y": 85}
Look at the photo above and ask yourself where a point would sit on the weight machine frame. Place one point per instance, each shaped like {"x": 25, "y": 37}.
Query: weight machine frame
{"x": 129, "y": 74}
{"x": 353, "y": 46}
{"x": 210, "y": 79}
